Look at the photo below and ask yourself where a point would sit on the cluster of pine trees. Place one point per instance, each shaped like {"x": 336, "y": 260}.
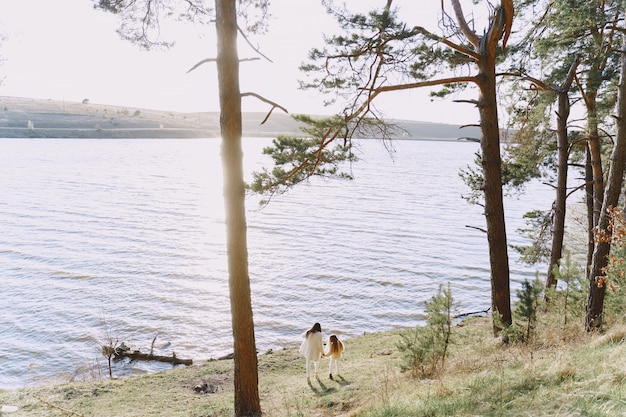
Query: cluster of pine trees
{"x": 545, "y": 56}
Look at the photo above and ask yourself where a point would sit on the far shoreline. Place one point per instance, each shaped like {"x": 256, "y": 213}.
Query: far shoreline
{"x": 40, "y": 118}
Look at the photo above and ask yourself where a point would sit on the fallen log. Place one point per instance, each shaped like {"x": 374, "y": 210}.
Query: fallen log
{"x": 473, "y": 313}
{"x": 124, "y": 352}
{"x": 136, "y": 355}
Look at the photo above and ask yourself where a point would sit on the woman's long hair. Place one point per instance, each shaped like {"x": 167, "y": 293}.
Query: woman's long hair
{"x": 315, "y": 329}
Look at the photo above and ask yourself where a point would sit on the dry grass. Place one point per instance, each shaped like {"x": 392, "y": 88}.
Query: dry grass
{"x": 565, "y": 372}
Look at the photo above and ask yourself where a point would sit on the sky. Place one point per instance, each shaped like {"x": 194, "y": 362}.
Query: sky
{"x": 67, "y": 50}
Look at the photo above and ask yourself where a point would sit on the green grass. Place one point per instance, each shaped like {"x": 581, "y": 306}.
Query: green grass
{"x": 565, "y": 372}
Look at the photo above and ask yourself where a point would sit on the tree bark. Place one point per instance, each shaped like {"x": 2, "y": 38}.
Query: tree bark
{"x": 492, "y": 171}
{"x": 558, "y": 224}
{"x": 595, "y": 152}
{"x": 589, "y": 206}
{"x": 246, "y": 395}
{"x": 494, "y": 207}
{"x": 593, "y": 169}
{"x": 597, "y": 288}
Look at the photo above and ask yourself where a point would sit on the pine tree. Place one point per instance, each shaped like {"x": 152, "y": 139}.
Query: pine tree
{"x": 376, "y": 54}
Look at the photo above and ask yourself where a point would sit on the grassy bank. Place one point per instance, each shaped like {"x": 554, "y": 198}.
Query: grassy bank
{"x": 565, "y": 373}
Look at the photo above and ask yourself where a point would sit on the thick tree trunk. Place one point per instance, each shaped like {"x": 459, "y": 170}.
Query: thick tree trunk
{"x": 487, "y": 48}
{"x": 492, "y": 173}
{"x": 246, "y": 401}
{"x": 597, "y": 288}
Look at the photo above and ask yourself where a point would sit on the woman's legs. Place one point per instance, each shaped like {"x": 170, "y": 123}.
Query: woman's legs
{"x": 307, "y": 369}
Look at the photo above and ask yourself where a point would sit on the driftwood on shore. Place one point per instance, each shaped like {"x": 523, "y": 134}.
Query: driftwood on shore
{"x": 137, "y": 355}
{"x": 124, "y": 351}
{"x": 473, "y": 313}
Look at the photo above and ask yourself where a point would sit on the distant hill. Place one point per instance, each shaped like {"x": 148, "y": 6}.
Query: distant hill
{"x": 37, "y": 118}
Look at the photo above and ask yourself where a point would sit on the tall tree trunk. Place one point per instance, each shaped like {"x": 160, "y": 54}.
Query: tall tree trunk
{"x": 246, "y": 401}
{"x": 597, "y": 288}
{"x": 558, "y": 224}
{"x": 593, "y": 170}
{"x": 492, "y": 174}
{"x": 595, "y": 151}
{"x": 589, "y": 205}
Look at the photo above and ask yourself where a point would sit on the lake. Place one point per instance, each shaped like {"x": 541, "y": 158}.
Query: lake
{"x": 126, "y": 238}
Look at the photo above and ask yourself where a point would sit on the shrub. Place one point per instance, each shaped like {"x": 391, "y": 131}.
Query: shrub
{"x": 525, "y": 313}
{"x": 615, "y": 302}
{"x": 569, "y": 301}
{"x": 424, "y": 348}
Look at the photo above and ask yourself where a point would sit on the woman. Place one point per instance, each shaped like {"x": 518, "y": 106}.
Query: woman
{"x": 334, "y": 350}
{"x": 312, "y": 347}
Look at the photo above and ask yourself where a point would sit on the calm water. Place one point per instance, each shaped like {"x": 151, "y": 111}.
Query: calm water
{"x": 127, "y": 236}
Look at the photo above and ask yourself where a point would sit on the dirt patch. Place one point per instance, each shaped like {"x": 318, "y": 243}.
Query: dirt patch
{"x": 212, "y": 384}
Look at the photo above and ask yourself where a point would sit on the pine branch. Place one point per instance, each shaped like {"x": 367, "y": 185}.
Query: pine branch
{"x": 465, "y": 29}
{"x": 263, "y": 99}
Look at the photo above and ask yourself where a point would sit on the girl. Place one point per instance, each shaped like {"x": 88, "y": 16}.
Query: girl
{"x": 334, "y": 349}
{"x": 312, "y": 347}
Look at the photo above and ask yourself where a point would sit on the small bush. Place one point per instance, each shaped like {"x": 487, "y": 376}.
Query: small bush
{"x": 615, "y": 302}
{"x": 525, "y": 313}
{"x": 424, "y": 348}
{"x": 570, "y": 301}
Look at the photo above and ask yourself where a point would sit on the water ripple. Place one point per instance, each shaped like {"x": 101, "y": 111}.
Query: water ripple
{"x": 127, "y": 238}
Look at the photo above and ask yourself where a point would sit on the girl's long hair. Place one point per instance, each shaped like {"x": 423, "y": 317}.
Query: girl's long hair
{"x": 335, "y": 345}
{"x": 315, "y": 329}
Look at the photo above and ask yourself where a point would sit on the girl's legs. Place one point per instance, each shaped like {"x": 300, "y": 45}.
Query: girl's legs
{"x": 330, "y": 367}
